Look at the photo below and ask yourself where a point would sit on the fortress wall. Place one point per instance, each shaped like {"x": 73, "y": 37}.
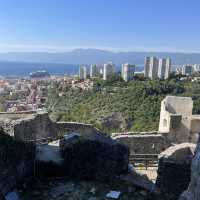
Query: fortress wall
{"x": 16, "y": 115}
{"x": 40, "y": 127}
{"x": 36, "y": 128}
{"x": 144, "y": 143}
{"x": 84, "y": 129}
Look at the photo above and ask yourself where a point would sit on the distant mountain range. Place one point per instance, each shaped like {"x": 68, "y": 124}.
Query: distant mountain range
{"x": 88, "y": 56}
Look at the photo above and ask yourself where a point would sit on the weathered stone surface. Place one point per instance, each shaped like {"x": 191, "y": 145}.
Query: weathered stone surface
{"x": 139, "y": 180}
{"x": 193, "y": 191}
{"x": 143, "y": 143}
{"x": 99, "y": 158}
{"x": 179, "y": 153}
{"x": 174, "y": 169}
{"x": 38, "y": 127}
{"x": 177, "y": 120}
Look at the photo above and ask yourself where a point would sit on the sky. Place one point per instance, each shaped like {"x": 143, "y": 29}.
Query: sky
{"x": 117, "y": 25}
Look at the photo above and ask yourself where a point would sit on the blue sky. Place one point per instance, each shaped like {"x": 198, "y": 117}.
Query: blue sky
{"x": 119, "y": 25}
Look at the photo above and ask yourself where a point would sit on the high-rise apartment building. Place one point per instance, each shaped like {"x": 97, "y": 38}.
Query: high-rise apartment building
{"x": 153, "y": 70}
{"x": 108, "y": 71}
{"x": 127, "y": 72}
{"x": 162, "y": 68}
{"x": 168, "y": 68}
{"x": 157, "y": 68}
{"x": 82, "y": 72}
{"x": 94, "y": 71}
{"x": 146, "y": 67}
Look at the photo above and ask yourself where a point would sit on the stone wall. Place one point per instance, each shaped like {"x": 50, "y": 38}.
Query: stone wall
{"x": 39, "y": 127}
{"x": 143, "y": 143}
{"x": 175, "y": 118}
{"x": 84, "y": 129}
{"x": 36, "y": 128}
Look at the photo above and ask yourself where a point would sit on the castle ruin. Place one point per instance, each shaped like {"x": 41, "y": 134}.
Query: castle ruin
{"x": 177, "y": 120}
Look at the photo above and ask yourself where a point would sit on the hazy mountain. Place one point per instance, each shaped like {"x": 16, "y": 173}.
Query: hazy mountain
{"x": 87, "y": 56}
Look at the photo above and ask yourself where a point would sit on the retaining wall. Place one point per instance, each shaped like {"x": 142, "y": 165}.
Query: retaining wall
{"x": 144, "y": 143}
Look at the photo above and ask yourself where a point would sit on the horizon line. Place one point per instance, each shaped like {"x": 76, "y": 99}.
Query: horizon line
{"x": 98, "y": 49}
{"x": 16, "y": 48}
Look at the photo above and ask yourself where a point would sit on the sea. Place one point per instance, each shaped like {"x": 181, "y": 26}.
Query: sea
{"x": 22, "y": 69}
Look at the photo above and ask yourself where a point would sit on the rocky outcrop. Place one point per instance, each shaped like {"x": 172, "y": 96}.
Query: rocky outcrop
{"x": 193, "y": 191}
{"x": 100, "y": 158}
{"x": 174, "y": 169}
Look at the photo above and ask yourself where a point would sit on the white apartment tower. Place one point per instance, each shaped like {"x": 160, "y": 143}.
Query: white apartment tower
{"x": 128, "y": 71}
{"x": 146, "y": 67}
{"x": 108, "y": 70}
{"x": 168, "y": 68}
{"x": 82, "y": 72}
{"x": 153, "y": 70}
{"x": 94, "y": 71}
{"x": 197, "y": 68}
{"x": 162, "y": 68}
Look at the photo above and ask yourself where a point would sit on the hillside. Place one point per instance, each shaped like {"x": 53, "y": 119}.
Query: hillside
{"x": 119, "y": 106}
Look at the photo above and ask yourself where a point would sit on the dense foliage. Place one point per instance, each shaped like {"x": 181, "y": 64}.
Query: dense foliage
{"x": 119, "y": 106}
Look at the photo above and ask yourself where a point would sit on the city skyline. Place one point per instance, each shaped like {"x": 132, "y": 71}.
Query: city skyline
{"x": 59, "y": 26}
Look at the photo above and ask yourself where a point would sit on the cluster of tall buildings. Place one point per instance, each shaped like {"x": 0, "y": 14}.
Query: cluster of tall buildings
{"x": 108, "y": 71}
{"x": 94, "y": 72}
{"x": 155, "y": 68}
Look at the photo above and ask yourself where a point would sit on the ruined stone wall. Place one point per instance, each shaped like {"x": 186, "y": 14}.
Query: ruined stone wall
{"x": 143, "y": 143}
{"x": 38, "y": 127}
{"x": 84, "y": 129}
{"x": 176, "y": 117}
